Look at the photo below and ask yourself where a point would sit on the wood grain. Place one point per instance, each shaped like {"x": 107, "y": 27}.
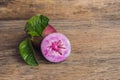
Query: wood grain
{"x": 61, "y": 9}
{"x": 95, "y": 52}
{"x": 93, "y": 27}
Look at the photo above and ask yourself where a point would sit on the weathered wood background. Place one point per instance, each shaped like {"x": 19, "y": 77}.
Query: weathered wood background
{"x": 93, "y": 27}
{"x": 59, "y": 9}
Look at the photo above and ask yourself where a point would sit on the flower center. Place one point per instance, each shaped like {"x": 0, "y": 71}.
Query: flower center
{"x": 57, "y": 46}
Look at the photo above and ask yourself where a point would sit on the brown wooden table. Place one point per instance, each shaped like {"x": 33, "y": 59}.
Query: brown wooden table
{"x": 93, "y": 28}
{"x": 95, "y": 52}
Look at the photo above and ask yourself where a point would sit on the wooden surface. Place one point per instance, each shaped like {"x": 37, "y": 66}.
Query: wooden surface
{"x": 95, "y": 52}
{"x": 61, "y": 9}
{"x": 93, "y": 27}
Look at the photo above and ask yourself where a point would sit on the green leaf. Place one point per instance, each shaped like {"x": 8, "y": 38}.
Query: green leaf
{"x": 27, "y": 52}
{"x": 36, "y": 25}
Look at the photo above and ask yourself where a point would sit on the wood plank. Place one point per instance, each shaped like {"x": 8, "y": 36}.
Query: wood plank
{"x": 95, "y": 52}
{"x": 61, "y": 9}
